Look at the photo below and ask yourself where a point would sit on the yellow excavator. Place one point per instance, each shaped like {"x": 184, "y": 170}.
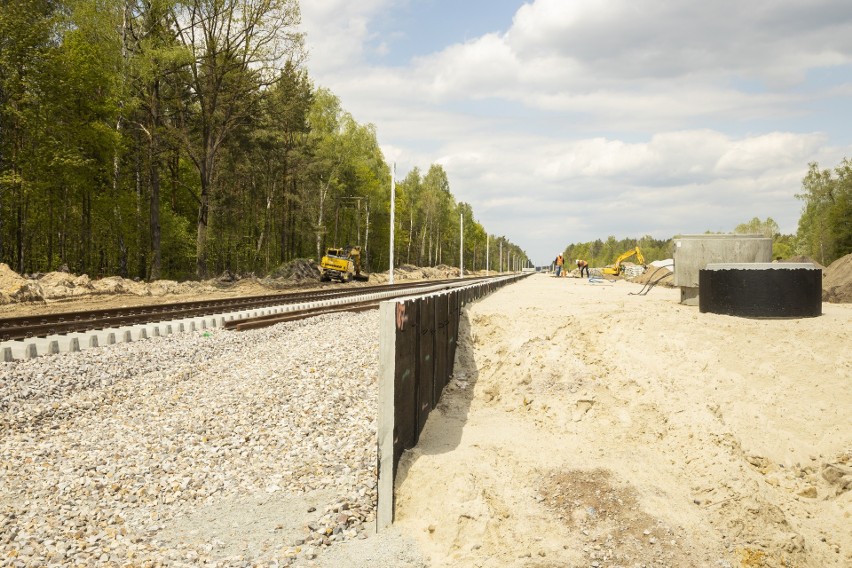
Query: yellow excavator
{"x": 343, "y": 264}
{"x": 617, "y": 268}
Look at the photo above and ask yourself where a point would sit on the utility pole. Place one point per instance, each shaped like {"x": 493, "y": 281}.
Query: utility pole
{"x": 393, "y": 208}
{"x": 461, "y": 245}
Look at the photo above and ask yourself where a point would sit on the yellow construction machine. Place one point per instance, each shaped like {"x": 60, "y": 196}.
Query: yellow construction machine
{"x": 342, "y": 264}
{"x": 617, "y": 268}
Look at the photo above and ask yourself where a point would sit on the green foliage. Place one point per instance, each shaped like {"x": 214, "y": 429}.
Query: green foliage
{"x": 768, "y": 228}
{"x": 130, "y": 148}
{"x": 600, "y": 253}
{"x": 825, "y": 227}
{"x": 782, "y": 245}
{"x": 178, "y": 246}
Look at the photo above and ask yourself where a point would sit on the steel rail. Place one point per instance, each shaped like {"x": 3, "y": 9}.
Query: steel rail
{"x": 267, "y": 321}
{"x": 357, "y": 306}
{"x": 32, "y": 326}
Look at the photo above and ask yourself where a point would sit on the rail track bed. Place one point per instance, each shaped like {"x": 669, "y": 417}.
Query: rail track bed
{"x": 26, "y": 337}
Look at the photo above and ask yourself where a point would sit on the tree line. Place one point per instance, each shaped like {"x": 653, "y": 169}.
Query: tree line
{"x": 824, "y": 232}
{"x": 179, "y": 139}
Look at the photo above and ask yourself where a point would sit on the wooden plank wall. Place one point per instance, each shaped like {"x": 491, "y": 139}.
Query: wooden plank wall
{"x": 417, "y": 347}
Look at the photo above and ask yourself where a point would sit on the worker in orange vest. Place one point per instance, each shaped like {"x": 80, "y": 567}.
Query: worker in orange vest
{"x": 559, "y": 263}
{"x": 583, "y": 265}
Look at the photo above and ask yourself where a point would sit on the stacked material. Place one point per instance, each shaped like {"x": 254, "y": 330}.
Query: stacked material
{"x": 632, "y": 270}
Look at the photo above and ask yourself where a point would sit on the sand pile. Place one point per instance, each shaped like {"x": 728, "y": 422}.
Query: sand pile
{"x": 172, "y": 287}
{"x": 15, "y": 288}
{"x": 54, "y": 286}
{"x": 10, "y": 281}
{"x": 837, "y": 281}
{"x": 35, "y": 292}
{"x": 411, "y": 272}
{"x": 662, "y": 276}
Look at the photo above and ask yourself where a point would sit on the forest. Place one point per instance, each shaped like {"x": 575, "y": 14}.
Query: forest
{"x": 180, "y": 139}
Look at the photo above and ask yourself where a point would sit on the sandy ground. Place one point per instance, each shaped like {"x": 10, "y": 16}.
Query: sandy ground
{"x": 589, "y": 427}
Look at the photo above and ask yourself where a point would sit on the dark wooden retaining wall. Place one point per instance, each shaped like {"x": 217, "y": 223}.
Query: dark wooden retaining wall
{"x": 417, "y": 348}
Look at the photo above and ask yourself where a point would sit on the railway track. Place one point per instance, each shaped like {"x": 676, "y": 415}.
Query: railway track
{"x": 42, "y": 326}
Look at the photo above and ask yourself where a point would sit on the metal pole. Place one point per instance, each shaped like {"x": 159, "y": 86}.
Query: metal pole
{"x": 392, "y": 208}
{"x": 461, "y": 245}
{"x": 501, "y": 257}
{"x": 487, "y": 263}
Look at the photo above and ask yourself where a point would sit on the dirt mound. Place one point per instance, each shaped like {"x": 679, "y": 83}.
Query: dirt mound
{"x": 662, "y": 276}
{"x": 10, "y": 281}
{"x": 39, "y": 292}
{"x": 172, "y": 287}
{"x": 119, "y": 285}
{"x": 837, "y": 281}
{"x": 64, "y": 285}
{"x": 442, "y": 271}
{"x": 411, "y": 272}
{"x": 299, "y": 270}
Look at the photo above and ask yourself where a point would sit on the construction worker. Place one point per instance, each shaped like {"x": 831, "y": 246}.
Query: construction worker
{"x": 559, "y": 263}
{"x": 583, "y": 265}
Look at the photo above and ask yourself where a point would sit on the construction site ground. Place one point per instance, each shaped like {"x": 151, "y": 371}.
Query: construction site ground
{"x": 586, "y": 426}
{"x": 589, "y": 426}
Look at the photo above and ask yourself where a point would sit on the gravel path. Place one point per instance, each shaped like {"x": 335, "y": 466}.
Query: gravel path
{"x": 210, "y": 448}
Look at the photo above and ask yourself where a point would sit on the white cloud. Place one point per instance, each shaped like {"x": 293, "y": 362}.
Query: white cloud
{"x": 596, "y": 117}
{"x": 767, "y": 152}
{"x": 337, "y": 31}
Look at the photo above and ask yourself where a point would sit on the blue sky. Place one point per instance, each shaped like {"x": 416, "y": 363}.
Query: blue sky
{"x": 419, "y": 27}
{"x": 563, "y": 121}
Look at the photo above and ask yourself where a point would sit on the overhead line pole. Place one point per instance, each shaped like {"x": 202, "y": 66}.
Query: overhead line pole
{"x": 392, "y": 209}
{"x": 487, "y": 263}
{"x": 461, "y": 245}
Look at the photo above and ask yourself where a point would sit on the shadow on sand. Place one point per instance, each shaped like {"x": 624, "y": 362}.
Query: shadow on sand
{"x": 444, "y": 427}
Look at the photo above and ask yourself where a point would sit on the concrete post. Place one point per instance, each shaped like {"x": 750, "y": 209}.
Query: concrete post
{"x": 387, "y": 364}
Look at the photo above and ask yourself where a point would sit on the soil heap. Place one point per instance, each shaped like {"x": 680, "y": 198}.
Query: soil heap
{"x": 837, "y": 281}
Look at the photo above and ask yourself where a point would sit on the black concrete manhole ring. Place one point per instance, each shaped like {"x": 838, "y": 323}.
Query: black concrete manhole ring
{"x": 761, "y": 290}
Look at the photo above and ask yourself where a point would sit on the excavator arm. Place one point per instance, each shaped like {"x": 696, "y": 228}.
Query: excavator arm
{"x": 628, "y": 254}
{"x": 616, "y": 268}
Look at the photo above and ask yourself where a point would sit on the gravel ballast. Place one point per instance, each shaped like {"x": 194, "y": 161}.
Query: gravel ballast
{"x": 209, "y": 448}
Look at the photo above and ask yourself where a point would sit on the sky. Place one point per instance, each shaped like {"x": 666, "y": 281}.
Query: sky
{"x": 565, "y": 121}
